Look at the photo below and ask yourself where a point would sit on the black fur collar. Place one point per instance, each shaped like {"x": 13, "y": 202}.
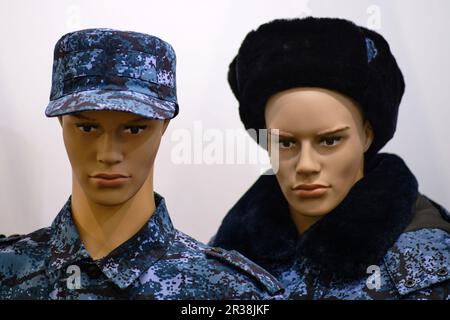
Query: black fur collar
{"x": 356, "y": 234}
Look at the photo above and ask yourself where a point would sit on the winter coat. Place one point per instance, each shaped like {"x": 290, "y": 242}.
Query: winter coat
{"x": 385, "y": 240}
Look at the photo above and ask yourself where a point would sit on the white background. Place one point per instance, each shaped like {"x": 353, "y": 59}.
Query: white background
{"x": 34, "y": 168}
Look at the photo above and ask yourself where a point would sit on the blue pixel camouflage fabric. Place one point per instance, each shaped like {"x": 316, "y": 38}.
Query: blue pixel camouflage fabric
{"x": 159, "y": 262}
{"x": 415, "y": 268}
{"x": 106, "y": 69}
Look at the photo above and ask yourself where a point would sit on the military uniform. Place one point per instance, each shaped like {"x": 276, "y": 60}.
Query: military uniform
{"x": 415, "y": 268}
{"x": 159, "y": 262}
{"x": 105, "y": 69}
{"x": 385, "y": 240}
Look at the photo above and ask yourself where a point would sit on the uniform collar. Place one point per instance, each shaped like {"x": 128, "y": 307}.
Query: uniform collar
{"x": 124, "y": 264}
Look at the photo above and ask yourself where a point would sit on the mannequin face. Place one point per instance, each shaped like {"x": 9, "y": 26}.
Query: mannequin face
{"x": 308, "y": 155}
{"x": 111, "y": 142}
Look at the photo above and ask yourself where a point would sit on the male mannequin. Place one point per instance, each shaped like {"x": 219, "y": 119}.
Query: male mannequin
{"x": 114, "y": 94}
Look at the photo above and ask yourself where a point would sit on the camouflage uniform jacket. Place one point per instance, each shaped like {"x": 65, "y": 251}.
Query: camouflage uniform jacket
{"x": 385, "y": 240}
{"x": 159, "y": 262}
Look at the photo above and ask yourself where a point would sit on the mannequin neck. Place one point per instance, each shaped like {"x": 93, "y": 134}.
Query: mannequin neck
{"x": 103, "y": 228}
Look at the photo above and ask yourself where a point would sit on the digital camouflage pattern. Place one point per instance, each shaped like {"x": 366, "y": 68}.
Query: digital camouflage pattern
{"x": 106, "y": 69}
{"x": 159, "y": 262}
{"x": 416, "y": 267}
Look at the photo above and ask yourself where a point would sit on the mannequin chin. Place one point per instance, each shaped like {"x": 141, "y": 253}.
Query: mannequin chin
{"x": 308, "y": 155}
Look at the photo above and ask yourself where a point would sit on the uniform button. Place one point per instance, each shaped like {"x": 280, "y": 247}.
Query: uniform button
{"x": 93, "y": 271}
{"x": 410, "y": 283}
{"x": 442, "y": 271}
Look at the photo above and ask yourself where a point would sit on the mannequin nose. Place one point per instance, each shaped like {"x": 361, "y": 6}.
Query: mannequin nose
{"x": 109, "y": 150}
{"x": 307, "y": 162}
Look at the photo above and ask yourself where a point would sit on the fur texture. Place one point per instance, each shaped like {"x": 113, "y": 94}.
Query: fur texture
{"x": 356, "y": 234}
{"x": 329, "y": 53}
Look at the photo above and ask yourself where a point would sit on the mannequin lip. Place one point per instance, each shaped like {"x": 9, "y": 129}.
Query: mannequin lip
{"x": 109, "y": 176}
{"x": 309, "y": 186}
{"x": 310, "y": 190}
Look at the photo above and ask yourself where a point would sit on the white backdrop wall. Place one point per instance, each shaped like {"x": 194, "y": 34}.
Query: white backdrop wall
{"x": 35, "y": 171}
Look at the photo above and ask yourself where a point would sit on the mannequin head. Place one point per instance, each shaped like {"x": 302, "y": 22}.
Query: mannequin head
{"x": 111, "y": 142}
{"x": 307, "y": 155}
{"x": 318, "y": 52}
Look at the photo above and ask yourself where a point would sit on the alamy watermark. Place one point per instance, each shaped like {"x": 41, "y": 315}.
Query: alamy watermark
{"x": 373, "y": 282}
{"x": 225, "y": 147}
{"x": 73, "y": 281}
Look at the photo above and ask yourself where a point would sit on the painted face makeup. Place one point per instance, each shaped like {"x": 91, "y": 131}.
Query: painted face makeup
{"x": 321, "y": 143}
{"x": 112, "y": 153}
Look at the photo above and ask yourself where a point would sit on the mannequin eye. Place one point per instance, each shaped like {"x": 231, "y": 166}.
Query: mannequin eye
{"x": 286, "y": 144}
{"x": 330, "y": 141}
{"x": 86, "y": 127}
{"x": 135, "y": 130}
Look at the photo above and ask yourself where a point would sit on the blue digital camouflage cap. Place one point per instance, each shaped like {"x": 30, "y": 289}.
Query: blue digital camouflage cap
{"x": 106, "y": 69}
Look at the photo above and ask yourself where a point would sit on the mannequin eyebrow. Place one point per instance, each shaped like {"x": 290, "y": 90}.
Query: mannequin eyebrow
{"x": 321, "y": 133}
{"x": 79, "y": 116}
{"x": 335, "y": 130}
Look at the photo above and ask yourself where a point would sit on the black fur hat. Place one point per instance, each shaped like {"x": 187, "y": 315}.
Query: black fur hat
{"x": 330, "y": 53}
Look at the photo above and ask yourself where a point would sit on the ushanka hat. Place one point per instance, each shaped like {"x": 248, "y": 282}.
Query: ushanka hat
{"x": 329, "y": 53}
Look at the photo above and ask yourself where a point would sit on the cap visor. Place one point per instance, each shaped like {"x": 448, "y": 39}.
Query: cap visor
{"x": 114, "y": 100}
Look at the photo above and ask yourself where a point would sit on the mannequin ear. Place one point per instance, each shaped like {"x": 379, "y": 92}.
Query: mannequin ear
{"x": 368, "y": 134}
